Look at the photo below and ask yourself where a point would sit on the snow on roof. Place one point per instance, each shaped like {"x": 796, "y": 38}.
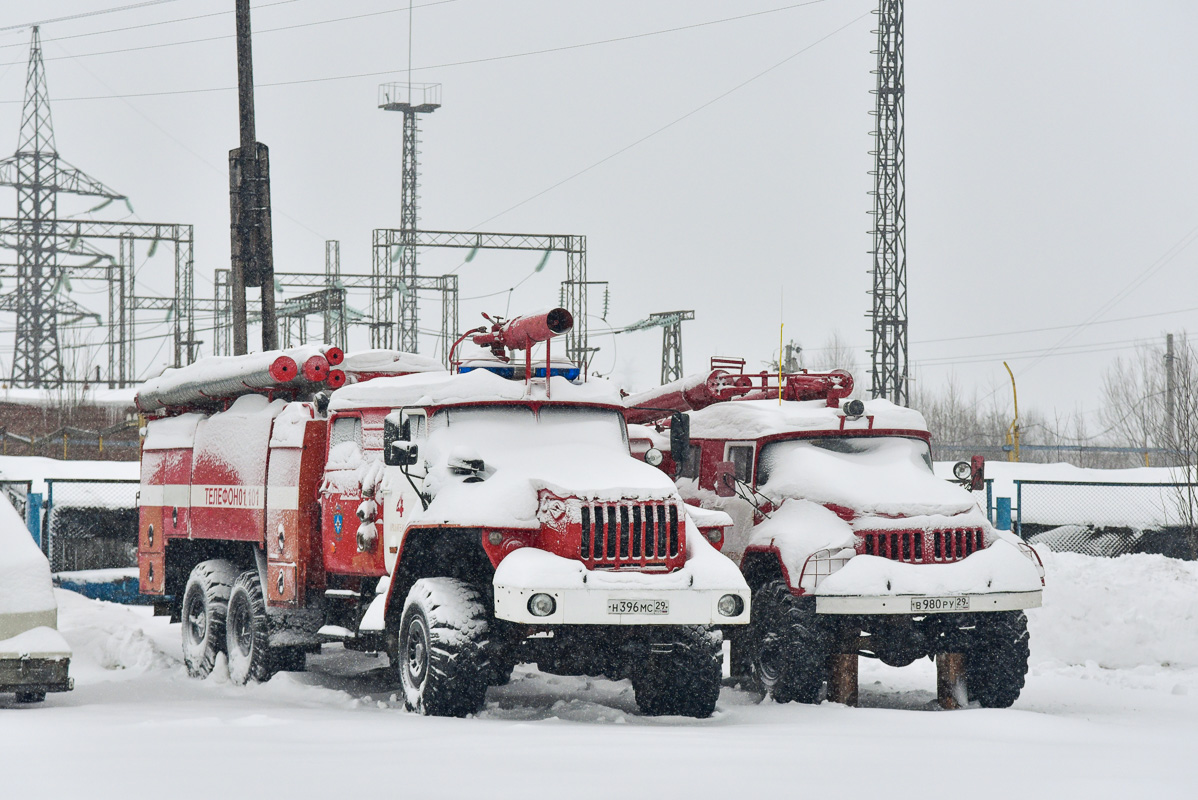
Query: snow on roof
{"x": 478, "y": 386}
{"x": 38, "y": 469}
{"x": 753, "y": 419}
{"x": 25, "y": 585}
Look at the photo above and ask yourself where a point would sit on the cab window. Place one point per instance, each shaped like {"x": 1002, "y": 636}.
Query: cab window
{"x": 741, "y": 456}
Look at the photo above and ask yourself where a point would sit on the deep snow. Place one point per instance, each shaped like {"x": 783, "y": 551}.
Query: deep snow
{"x": 1081, "y": 729}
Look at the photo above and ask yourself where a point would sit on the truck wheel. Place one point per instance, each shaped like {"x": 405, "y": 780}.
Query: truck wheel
{"x": 247, "y": 632}
{"x": 442, "y": 657}
{"x": 686, "y": 681}
{"x": 205, "y": 606}
{"x": 788, "y": 645}
{"x": 996, "y": 664}
{"x": 30, "y": 697}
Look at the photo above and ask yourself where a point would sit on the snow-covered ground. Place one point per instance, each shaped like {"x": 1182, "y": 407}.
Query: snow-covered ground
{"x": 1110, "y": 710}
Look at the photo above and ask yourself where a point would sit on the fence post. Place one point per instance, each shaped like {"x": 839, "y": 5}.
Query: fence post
{"x": 33, "y": 516}
{"x": 1019, "y": 509}
{"x": 990, "y": 499}
{"x": 1003, "y": 514}
{"x": 46, "y": 520}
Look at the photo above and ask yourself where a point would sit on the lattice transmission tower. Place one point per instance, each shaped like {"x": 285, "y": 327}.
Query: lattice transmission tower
{"x": 411, "y": 99}
{"x": 888, "y": 372}
{"x": 39, "y": 176}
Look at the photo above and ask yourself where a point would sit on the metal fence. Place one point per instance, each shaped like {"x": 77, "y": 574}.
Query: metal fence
{"x": 90, "y": 524}
{"x": 1106, "y": 518}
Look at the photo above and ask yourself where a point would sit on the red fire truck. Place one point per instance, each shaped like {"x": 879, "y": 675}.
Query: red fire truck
{"x": 851, "y": 545}
{"x": 460, "y": 521}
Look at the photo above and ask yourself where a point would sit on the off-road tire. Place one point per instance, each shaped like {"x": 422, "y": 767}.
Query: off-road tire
{"x": 31, "y": 697}
{"x": 205, "y": 606}
{"x": 247, "y": 631}
{"x": 996, "y": 663}
{"x": 442, "y": 648}
{"x": 789, "y": 646}
{"x": 686, "y": 681}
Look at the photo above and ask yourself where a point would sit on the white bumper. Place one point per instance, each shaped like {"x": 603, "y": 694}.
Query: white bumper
{"x": 584, "y": 597}
{"x": 917, "y": 605}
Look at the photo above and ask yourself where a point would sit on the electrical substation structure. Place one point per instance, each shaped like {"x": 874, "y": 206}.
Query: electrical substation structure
{"x": 51, "y": 251}
{"x": 670, "y": 323}
{"x": 889, "y": 366}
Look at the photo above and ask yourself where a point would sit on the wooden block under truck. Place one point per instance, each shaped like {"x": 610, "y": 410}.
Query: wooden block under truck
{"x": 849, "y": 542}
{"x": 460, "y": 521}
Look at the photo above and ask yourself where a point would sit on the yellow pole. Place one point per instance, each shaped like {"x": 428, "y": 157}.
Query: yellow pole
{"x": 781, "y": 325}
{"x": 1013, "y": 431}
{"x": 64, "y": 445}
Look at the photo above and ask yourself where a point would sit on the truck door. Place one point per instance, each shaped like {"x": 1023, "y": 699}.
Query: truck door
{"x": 398, "y": 498}
{"x": 341, "y": 494}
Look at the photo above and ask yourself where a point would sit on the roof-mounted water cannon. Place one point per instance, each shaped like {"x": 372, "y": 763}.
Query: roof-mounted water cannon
{"x": 521, "y": 333}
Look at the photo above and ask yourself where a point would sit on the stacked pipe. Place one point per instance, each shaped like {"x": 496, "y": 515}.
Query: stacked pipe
{"x": 213, "y": 380}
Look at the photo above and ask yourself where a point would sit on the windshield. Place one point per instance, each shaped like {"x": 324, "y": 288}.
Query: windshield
{"x": 494, "y": 429}
{"x": 860, "y": 450}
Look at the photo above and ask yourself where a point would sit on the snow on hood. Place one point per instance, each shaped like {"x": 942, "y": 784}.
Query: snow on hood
{"x": 24, "y": 572}
{"x": 886, "y": 476}
{"x": 753, "y": 419}
{"x": 478, "y": 386}
{"x": 567, "y": 451}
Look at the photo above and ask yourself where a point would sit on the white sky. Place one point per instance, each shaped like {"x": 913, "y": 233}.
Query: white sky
{"x": 1050, "y": 163}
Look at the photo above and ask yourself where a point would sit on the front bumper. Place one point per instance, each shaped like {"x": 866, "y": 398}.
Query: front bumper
{"x": 917, "y": 605}
{"x": 585, "y": 606}
{"x": 34, "y": 674}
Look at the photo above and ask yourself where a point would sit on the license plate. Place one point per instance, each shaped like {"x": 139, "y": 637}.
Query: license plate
{"x": 937, "y": 605}
{"x": 638, "y": 606}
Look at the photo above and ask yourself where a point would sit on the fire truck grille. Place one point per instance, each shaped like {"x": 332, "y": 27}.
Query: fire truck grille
{"x": 633, "y": 535}
{"x": 923, "y": 547}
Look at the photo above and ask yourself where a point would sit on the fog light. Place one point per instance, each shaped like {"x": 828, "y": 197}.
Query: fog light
{"x": 542, "y": 605}
{"x": 730, "y": 605}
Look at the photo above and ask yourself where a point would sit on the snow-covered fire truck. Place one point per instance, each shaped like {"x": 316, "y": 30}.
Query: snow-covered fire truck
{"x": 460, "y": 521}
{"x": 850, "y": 543}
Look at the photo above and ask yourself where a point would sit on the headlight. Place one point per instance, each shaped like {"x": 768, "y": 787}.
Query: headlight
{"x": 730, "y": 605}
{"x": 653, "y": 457}
{"x": 541, "y": 605}
{"x": 962, "y": 470}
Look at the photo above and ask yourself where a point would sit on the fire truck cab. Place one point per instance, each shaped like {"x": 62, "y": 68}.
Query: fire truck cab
{"x": 849, "y": 542}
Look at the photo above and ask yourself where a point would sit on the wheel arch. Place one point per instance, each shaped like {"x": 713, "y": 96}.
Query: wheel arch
{"x": 761, "y": 565}
{"x": 438, "y": 552}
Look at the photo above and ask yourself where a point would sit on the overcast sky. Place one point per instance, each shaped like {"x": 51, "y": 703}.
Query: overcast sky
{"x": 1051, "y": 163}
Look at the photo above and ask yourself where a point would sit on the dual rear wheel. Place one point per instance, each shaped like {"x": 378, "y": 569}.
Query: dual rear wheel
{"x": 224, "y": 612}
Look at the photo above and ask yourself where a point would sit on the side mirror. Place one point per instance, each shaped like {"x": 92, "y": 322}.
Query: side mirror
{"x": 401, "y": 454}
{"x": 725, "y": 479}
{"x": 977, "y": 473}
{"x": 390, "y": 437}
{"x": 680, "y": 437}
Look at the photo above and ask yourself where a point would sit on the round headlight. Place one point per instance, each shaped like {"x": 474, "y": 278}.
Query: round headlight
{"x": 730, "y": 605}
{"x": 495, "y": 538}
{"x": 854, "y": 408}
{"x": 541, "y": 605}
{"x": 653, "y": 457}
{"x": 962, "y": 470}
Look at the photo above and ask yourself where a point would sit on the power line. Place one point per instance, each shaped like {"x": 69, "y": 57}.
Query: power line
{"x": 146, "y": 24}
{"x": 83, "y": 14}
{"x": 485, "y": 60}
{"x": 223, "y": 36}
